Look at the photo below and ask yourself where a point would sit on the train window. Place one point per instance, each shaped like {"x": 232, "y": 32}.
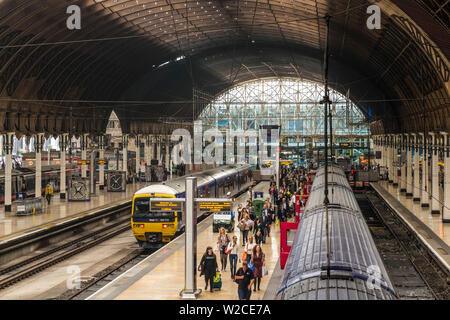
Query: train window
{"x": 141, "y": 205}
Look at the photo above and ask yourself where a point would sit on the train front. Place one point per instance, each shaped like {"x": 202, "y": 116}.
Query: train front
{"x": 152, "y": 228}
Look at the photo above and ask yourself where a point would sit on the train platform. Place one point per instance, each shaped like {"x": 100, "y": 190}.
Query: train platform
{"x": 60, "y": 211}
{"x": 161, "y": 275}
{"x": 429, "y": 228}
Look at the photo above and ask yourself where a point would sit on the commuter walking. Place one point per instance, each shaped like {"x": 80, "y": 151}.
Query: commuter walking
{"x": 48, "y": 193}
{"x": 249, "y": 248}
{"x": 259, "y": 229}
{"x": 258, "y": 262}
{"x": 245, "y": 278}
{"x": 222, "y": 243}
{"x": 208, "y": 267}
{"x": 233, "y": 252}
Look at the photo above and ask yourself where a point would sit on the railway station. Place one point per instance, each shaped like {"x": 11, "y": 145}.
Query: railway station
{"x": 197, "y": 150}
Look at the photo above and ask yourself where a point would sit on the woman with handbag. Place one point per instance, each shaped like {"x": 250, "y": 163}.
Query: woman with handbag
{"x": 222, "y": 243}
{"x": 258, "y": 230}
{"x": 258, "y": 262}
{"x": 208, "y": 267}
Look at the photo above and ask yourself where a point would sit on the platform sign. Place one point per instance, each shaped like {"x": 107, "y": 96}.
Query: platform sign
{"x": 83, "y": 162}
{"x": 165, "y": 206}
{"x": 211, "y": 206}
{"x": 102, "y": 162}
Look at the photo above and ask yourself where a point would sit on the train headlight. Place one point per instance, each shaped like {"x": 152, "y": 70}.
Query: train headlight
{"x": 139, "y": 226}
{"x": 165, "y": 226}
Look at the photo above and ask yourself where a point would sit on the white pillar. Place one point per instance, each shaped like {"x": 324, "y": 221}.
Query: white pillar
{"x": 101, "y": 146}
{"x": 394, "y": 162}
{"x": 167, "y": 153}
{"x": 435, "y": 204}
{"x": 147, "y": 150}
{"x": 138, "y": 155}
{"x": 416, "y": 184}
{"x": 38, "y": 146}
{"x": 404, "y": 163}
{"x": 424, "y": 198}
{"x": 389, "y": 159}
{"x": 158, "y": 150}
{"x": 63, "y": 140}
{"x": 8, "y": 147}
{"x": 125, "y": 155}
{"x": 446, "y": 211}
{"x": 409, "y": 168}
{"x": 84, "y": 146}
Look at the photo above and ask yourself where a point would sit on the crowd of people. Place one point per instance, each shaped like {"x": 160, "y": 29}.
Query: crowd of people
{"x": 254, "y": 232}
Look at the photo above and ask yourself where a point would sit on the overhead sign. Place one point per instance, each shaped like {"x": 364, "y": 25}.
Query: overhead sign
{"x": 102, "y": 162}
{"x": 83, "y": 162}
{"x": 210, "y": 206}
{"x": 344, "y": 144}
{"x": 165, "y": 206}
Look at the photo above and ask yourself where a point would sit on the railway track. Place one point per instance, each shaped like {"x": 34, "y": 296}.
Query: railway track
{"x": 413, "y": 270}
{"x": 29, "y": 266}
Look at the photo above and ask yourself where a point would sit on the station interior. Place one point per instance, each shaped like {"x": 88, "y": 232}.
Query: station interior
{"x": 131, "y": 132}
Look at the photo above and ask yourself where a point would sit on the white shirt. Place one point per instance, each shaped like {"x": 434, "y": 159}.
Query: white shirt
{"x": 235, "y": 249}
{"x": 249, "y": 247}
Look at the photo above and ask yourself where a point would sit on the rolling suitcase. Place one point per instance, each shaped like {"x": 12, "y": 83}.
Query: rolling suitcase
{"x": 217, "y": 283}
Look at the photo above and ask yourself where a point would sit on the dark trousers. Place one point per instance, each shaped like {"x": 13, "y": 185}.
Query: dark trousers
{"x": 245, "y": 236}
{"x": 233, "y": 263}
{"x": 257, "y": 280}
{"x": 211, "y": 282}
{"x": 49, "y": 198}
{"x": 223, "y": 260}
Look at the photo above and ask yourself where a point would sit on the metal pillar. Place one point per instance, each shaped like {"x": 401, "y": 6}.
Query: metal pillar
{"x": 394, "y": 161}
{"x": 404, "y": 150}
{"x": 409, "y": 168}
{"x": 190, "y": 290}
{"x": 424, "y": 198}
{"x": 38, "y": 146}
{"x": 167, "y": 152}
{"x": 435, "y": 205}
{"x": 389, "y": 160}
{"x": 84, "y": 146}
{"x": 446, "y": 210}
{"x": 158, "y": 149}
{"x": 416, "y": 185}
{"x": 125, "y": 155}
{"x": 101, "y": 146}
{"x": 63, "y": 140}
{"x": 93, "y": 185}
{"x": 147, "y": 149}
{"x": 138, "y": 155}
{"x": 8, "y": 148}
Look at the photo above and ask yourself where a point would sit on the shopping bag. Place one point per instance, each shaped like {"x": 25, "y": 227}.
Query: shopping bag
{"x": 277, "y": 223}
{"x": 244, "y": 256}
{"x": 250, "y": 265}
{"x": 265, "y": 272}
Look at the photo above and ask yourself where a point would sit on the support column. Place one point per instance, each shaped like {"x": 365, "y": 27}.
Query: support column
{"x": 158, "y": 149}
{"x": 409, "y": 167}
{"x": 446, "y": 210}
{"x": 39, "y": 141}
{"x": 167, "y": 153}
{"x": 416, "y": 185}
{"x": 395, "y": 160}
{"x": 435, "y": 204}
{"x": 8, "y": 148}
{"x": 389, "y": 159}
{"x": 101, "y": 147}
{"x": 63, "y": 140}
{"x": 404, "y": 162}
{"x": 138, "y": 155}
{"x": 125, "y": 155}
{"x": 84, "y": 146}
{"x": 424, "y": 198}
{"x": 147, "y": 150}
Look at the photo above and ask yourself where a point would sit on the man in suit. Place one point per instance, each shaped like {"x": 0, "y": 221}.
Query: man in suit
{"x": 265, "y": 220}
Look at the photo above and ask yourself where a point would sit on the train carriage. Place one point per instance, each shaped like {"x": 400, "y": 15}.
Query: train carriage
{"x": 154, "y": 228}
{"x": 355, "y": 270}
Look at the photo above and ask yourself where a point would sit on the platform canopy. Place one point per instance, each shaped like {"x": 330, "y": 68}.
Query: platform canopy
{"x": 144, "y": 58}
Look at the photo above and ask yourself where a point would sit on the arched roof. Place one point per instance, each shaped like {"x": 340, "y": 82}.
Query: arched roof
{"x": 69, "y": 84}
